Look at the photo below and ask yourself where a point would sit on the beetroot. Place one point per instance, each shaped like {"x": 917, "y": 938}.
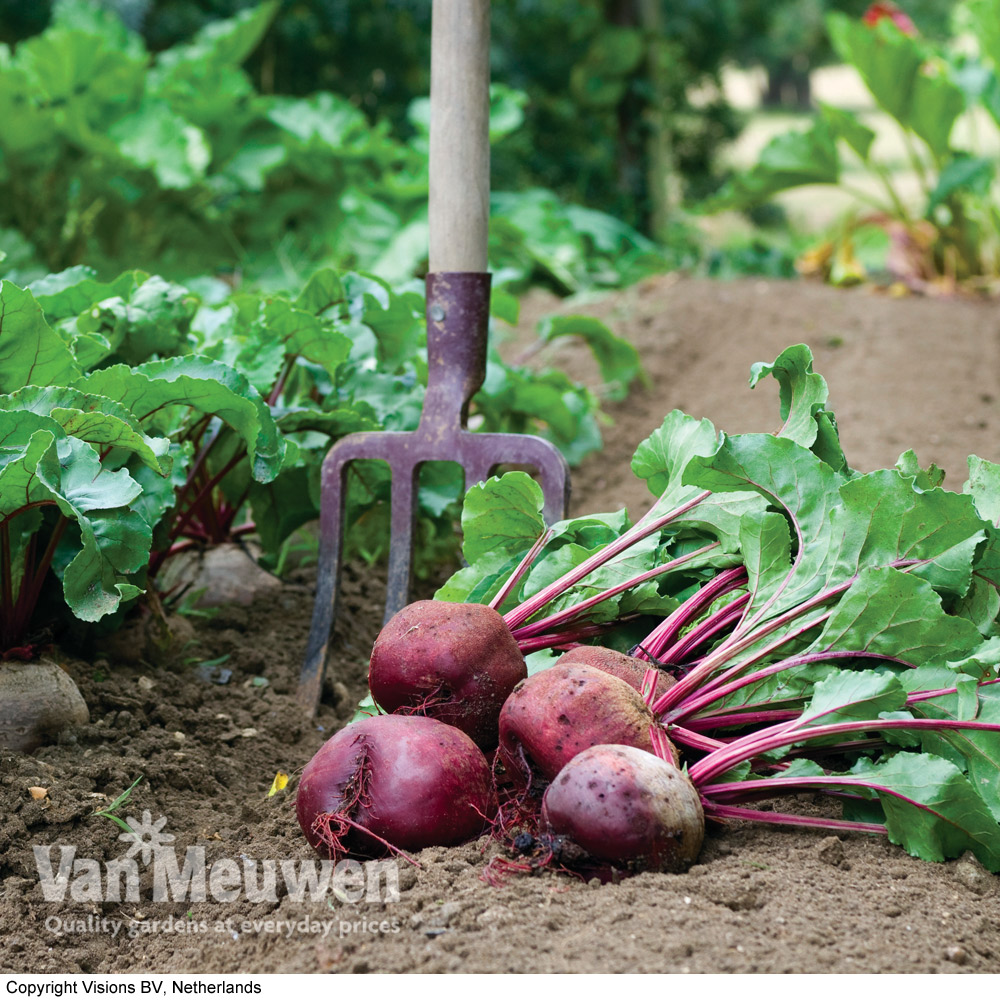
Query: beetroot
{"x": 624, "y": 807}
{"x": 453, "y": 662}
{"x": 620, "y": 665}
{"x": 394, "y": 782}
{"x": 553, "y": 715}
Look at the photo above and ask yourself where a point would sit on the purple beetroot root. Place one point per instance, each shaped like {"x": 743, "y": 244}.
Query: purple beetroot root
{"x": 626, "y": 808}
{"x": 394, "y": 783}
{"x": 453, "y": 662}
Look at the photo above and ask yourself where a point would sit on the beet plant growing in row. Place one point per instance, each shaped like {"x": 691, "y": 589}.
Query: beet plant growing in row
{"x": 92, "y": 458}
{"x": 788, "y": 625}
{"x": 140, "y": 419}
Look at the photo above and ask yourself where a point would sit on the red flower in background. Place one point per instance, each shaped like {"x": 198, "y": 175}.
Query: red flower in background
{"x": 883, "y": 9}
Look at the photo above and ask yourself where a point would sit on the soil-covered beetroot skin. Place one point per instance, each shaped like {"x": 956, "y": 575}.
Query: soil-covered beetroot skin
{"x": 620, "y": 665}
{"x": 411, "y": 781}
{"x": 556, "y": 713}
{"x": 452, "y": 662}
{"x": 626, "y": 807}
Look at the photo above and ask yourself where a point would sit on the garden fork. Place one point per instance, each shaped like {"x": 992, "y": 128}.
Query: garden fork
{"x": 458, "y": 297}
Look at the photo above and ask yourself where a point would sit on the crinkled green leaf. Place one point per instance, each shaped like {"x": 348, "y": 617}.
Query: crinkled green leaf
{"x": 398, "y": 328}
{"x": 641, "y": 556}
{"x": 850, "y": 695}
{"x": 31, "y": 352}
{"x": 235, "y": 335}
{"x": 202, "y": 385}
{"x": 281, "y": 506}
{"x": 323, "y": 293}
{"x": 502, "y": 515}
{"x": 792, "y": 479}
{"x": 983, "y": 662}
{"x": 803, "y": 397}
{"x": 102, "y": 22}
{"x": 883, "y": 519}
{"x": 478, "y": 584}
{"x": 617, "y": 359}
{"x": 226, "y": 42}
{"x": 977, "y": 751}
{"x": 591, "y": 530}
{"x": 896, "y": 614}
{"x": 95, "y": 419}
{"x": 159, "y": 493}
{"x": 302, "y": 333}
{"x": 923, "y": 479}
{"x": 931, "y": 809}
{"x": 336, "y": 423}
{"x": 983, "y": 485}
{"x": 24, "y": 440}
{"x": 151, "y": 317}
{"x": 981, "y": 604}
{"x": 663, "y": 456}
{"x": 323, "y": 120}
{"x": 70, "y": 292}
{"x": 113, "y": 540}
{"x": 662, "y": 459}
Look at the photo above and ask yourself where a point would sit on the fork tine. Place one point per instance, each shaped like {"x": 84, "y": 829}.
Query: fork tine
{"x": 404, "y": 482}
{"x": 327, "y": 579}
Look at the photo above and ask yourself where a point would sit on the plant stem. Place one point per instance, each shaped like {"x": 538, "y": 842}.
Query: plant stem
{"x": 204, "y": 497}
{"x": 519, "y": 615}
{"x": 522, "y": 567}
{"x": 731, "y": 647}
{"x": 6, "y": 582}
{"x": 780, "y": 736}
{"x": 567, "y": 615}
{"x": 697, "y": 741}
{"x": 721, "y": 686}
{"x": 706, "y": 630}
{"x": 34, "y": 588}
{"x": 279, "y": 385}
{"x": 568, "y": 637}
{"x": 716, "y": 811}
{"x": 667, "y": 631}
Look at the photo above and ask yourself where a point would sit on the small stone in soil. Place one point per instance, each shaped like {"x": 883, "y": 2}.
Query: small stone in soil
{"x": 957, "y": 954}
{"x": 831, "y": 851}
{"x": 212, "y": 673}
{"x": 972, "y": 875}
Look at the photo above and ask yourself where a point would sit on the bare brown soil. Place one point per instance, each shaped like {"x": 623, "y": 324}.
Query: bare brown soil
{"x": 908, "y": 373}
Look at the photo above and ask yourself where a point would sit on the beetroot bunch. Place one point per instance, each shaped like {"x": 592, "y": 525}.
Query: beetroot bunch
{"x": 824, "y": 631}
{"x": 581, "y": 772}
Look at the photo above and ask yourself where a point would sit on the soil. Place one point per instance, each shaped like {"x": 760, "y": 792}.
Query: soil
{"x": 208, "y": 737}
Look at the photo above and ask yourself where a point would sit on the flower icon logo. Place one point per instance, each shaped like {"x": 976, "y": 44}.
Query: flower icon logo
{"x": 146, "y": 836}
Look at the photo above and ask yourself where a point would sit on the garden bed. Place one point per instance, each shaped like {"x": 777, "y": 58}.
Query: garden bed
{"x": 912, "y": 373}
